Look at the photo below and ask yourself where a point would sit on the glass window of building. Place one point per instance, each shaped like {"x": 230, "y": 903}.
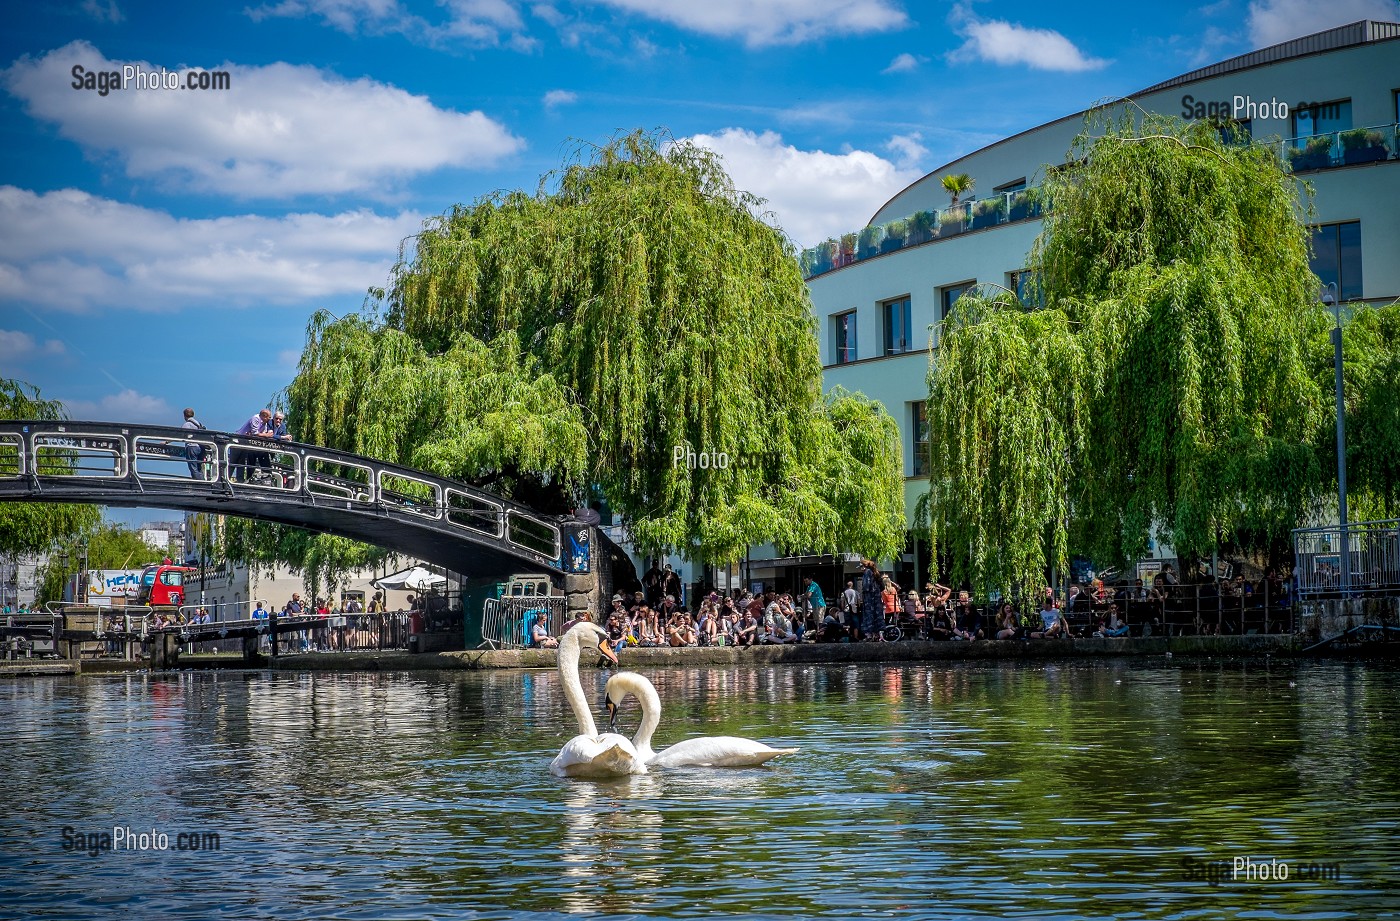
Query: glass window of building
{"x": 1322, "y": 118}
{"x": 899, "y": 336}
{"x": 918, "y": 432}
{"x": 1028, "y": 293}
{"x": 1337, "y": 257}
{"x": 844, "y": 337}
{"x": 950, "y": 297}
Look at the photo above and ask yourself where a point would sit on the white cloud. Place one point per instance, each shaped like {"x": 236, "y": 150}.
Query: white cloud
{"x": 1007, "y": 43}
{"x": 555, "y": 98}
{"x": 903, "y": 64}
{"x": 1274, "y": 21}
{"x": 814, "y": 194}
{"x": 71, "y": 251}
{"x": 771, "y": 22}
{"x": 127, "y": 405}
{"x": 473, "y": 22}
{"x": 18, "y": 347}
{"x": 103, "y": 12}
{"x": 280, "y": 130}
{"x": 908, "y": 148}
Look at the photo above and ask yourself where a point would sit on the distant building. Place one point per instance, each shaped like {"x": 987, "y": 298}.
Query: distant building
{"x": 157, "y": 539}
{"x": 19, "y": 578}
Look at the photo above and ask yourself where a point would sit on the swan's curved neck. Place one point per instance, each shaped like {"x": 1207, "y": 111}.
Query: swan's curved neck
{"x": 569, "y": 651}
{"x": 645, "y": 693}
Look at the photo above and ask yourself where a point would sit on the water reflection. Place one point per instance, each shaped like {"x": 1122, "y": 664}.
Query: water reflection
{"x": 966, "y": 791}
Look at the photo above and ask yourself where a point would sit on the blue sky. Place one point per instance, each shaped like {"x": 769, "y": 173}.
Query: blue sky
{"x": 165, "y": 248}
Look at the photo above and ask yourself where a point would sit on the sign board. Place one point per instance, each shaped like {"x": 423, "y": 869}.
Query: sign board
{"x": 106, "y": 584}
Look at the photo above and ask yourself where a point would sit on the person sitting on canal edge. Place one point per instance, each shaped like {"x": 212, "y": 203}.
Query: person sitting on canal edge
{"x": 539, "y": 633}
{"x": 1052, "y": 622}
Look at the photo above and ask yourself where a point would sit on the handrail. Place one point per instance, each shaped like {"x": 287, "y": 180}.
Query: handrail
{"x": 121, "y": 457}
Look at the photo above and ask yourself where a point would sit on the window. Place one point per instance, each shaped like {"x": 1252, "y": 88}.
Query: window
{"x": 844, "y": 337}
{"x": 1236, "y": 131}
{"x": 918, "y": 432}
{"x": 1016, "y": 186}
{"x": 1337, "y": 257}
{"x": 1027, "y": 292}
{"x": 1322, "y": 118}
{"x": 899, "y": 337}
{"x": 951, "y": 295}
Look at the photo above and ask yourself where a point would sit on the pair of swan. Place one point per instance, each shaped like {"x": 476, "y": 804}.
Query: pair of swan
{"x": 590, "y": 754}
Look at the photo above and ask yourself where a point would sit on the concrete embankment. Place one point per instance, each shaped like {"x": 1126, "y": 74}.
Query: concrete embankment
{"x": 23, "y": 668}
{"x": 1236, "y": 647}
{"x": 814, "y": 654}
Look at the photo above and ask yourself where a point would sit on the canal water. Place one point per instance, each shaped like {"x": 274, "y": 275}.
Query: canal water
{"x": 1113, "y": 790}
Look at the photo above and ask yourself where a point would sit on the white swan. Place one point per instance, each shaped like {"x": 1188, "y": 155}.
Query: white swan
{"x": 704, "y": 751}
{"x": 589, "y": 754}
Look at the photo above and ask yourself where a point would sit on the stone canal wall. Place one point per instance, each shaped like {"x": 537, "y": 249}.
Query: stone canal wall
{"x": 1185, "y": 647}
{"x": 813, "y": 653}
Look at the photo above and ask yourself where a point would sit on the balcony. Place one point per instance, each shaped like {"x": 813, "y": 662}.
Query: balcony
{"x": 922, "y": 227}
{"x": 1352, "y": 147}
{"x": 1301, "y": 154}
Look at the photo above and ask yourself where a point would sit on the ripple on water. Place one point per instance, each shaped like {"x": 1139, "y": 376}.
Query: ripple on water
{"x": 921, "y": 792}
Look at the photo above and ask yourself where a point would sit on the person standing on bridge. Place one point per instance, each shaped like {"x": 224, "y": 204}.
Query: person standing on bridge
{"x": 194, "y": 451}
{"x": 243, "y": 458}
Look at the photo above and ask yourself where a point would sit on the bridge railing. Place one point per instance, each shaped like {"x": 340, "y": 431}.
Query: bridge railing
{"x": 123, "y": 458}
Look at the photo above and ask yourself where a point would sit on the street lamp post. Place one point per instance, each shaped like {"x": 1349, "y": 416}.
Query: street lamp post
{"x": 1333, "y": 303}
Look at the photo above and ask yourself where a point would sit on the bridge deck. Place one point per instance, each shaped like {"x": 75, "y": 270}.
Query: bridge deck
{"x": 468, "y": 530}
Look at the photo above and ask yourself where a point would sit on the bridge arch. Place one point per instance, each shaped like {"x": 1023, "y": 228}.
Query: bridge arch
{"x": 468, "y": 530}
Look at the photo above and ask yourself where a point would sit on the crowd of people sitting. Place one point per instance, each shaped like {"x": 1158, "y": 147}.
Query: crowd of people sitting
{"x": 874, "y": 608}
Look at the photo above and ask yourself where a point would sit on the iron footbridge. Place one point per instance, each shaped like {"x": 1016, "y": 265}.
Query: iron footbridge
{"x": 468, "y": 530}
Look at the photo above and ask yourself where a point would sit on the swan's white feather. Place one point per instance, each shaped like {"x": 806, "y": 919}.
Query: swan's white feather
{"x": 607, "y": 755}
{"x": 717, "y": 751}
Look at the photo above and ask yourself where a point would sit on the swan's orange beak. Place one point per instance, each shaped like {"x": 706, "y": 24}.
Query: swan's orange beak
{"x": 606, "y": 649}
{"x": 612, "y": 716}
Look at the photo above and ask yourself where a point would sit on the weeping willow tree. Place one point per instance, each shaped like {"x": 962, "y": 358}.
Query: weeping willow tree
{"x": 1008, "y": 392}
{"x": 600, "y": 337}
{"x": 33, "y": 527}
{"x": 1371, "y": 387}
{"x": 1175, "y": 392}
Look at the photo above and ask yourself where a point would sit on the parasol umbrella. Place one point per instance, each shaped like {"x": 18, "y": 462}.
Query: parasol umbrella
{"x": 415, "y": 578}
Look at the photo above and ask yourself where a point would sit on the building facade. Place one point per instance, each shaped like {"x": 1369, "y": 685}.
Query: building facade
{"x": 881, "y": 293}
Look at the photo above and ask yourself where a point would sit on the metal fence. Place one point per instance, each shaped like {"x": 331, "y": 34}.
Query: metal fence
{"x": 1370, "y": 560}
{"x": 505, "y": 620}
{"x": 347, "y": 633}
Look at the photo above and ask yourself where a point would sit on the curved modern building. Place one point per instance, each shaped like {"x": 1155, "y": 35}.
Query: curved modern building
{"x": 880, "y": 293}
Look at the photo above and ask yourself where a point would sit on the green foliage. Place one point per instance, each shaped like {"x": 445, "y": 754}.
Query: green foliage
{"x": 1006, "y": 393}
{"x": 31, "y": 527}
{"x": 956, "y": 185}
{"x": 545, "y": 345}
{"x": 321, "y": 559}
{"x": 1371, "y": 387}
{"x": 105, "y": 546}
{"x": 1180, "y": 305}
